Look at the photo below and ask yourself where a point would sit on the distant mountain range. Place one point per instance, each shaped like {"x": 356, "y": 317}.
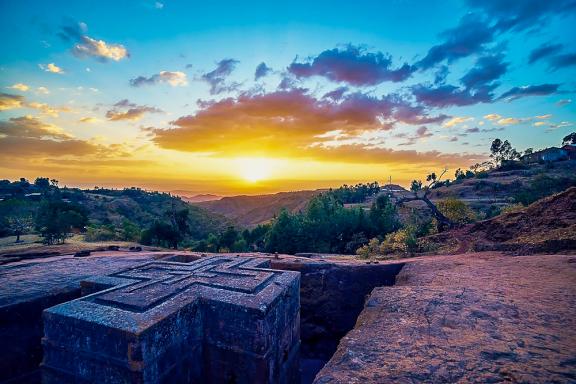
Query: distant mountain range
{"x": 195, "y": 198}
{"x": 250, "y": 211}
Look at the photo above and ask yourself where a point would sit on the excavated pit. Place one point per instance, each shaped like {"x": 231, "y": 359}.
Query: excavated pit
{"x": 332, "y": 295}
{"x": 331, "y": 299}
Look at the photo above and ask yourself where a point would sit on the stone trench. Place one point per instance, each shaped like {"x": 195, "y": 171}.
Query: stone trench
{"x": 331, "y": 296}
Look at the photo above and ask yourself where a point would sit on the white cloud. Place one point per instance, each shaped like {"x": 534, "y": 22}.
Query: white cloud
{"x": 51, "y": 67}
{"x": 456, "y": 120}
{"x": 46, "y": 109}
{"x": 42, "y": 90}
{"x": 20, "y": 87}
{"x": 88, "y": 120}
{"x": 175, "y": 79}
{"x": 508, "y": 121}
{"x": 563, "y": 102}
{"x": 492, "y": 116}
{"x": 89, "y": 47}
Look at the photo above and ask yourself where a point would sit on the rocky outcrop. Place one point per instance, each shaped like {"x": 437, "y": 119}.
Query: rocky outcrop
{"x": 483, "y": 318}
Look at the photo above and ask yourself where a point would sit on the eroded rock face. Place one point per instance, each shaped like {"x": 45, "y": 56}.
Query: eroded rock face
{"x": 215, "y": 320}
{"x": 332, "y": 296}
{"x": 481, "y": 318}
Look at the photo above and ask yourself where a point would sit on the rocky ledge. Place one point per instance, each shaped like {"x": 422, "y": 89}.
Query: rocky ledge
{"x": 481, "y": 317}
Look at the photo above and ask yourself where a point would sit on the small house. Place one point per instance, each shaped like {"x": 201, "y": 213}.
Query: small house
{"x": 570, "y": 150}
{"x": 546, "y": 155}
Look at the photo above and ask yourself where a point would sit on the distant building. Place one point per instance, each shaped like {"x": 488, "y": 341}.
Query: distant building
{"x": 570, "y": 150}
{"x": 546, "y": 155}
{"x": 33, "y": 196}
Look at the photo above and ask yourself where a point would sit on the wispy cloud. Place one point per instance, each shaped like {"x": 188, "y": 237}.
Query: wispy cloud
{"x": 126, "y": 110}
{"x": 217, "y": 77}
{"x": 175, "y": 79}
{"x": 529, "y": 90}
{"x": 9, "y": 101}
{"x": 19, "y": 87}
{"x": 456, "y": 121}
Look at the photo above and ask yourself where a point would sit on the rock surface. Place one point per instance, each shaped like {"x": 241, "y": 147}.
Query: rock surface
{"x": 333, "y": 291}
{"x": 28, "y": 287}
{"x": 481, "y": 317}
{"x": 221, "y": 319}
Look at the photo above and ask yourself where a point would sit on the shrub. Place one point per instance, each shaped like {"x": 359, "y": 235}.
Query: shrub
{"x": 130, "y": 231}
{"x": 512, "y": 208}
{"x": 402, "y": 241}
{"x": 101, "y": 233}
{"x": 456, "y": 210}
{"x": 542, "y": 186}
{"x": 370, "y": 250}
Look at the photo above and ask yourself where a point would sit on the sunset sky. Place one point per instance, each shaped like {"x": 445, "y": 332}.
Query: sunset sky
{"x": 251, "y": 97}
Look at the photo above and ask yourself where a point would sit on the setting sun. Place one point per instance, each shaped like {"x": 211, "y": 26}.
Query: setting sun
{"x": 254, "y": 169}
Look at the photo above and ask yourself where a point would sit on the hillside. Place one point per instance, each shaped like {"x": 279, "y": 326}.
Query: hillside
{"x": 500, "y": 188}
{"x": 143, "y": 208}
{"x": 548, "y": 225}
{"x": 253, "y": 210}
{"x": 111, "y": 214}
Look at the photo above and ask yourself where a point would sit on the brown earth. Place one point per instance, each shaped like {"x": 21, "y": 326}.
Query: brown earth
{"x": 478, "y": 317}
{"x": 548, "y": 225}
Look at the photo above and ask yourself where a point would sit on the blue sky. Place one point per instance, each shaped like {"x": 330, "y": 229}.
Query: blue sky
{"x": 163, "y": 93}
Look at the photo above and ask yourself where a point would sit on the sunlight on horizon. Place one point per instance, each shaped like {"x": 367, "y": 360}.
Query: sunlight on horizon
{"x": 254, "y": 170}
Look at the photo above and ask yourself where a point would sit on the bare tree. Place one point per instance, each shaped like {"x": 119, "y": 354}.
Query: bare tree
{"x": 19, "y": 225}
{"x": 421, "y": 193}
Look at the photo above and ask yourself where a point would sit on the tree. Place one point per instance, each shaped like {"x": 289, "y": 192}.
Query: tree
{"x": 179, "y": 227}
{"x": 569, "y": 139}
{"x": 16, "y": 217}
{"x": 42, "y": 183}
{"x": 162, "y": 234}
{"x": 420, "y": 193}
{"x": 228, "y": 238}
{"x": 284, "y": 234}
{"x": 456, "y": 210}
{"x": 56, "y": 219}
{"x": 502, "y": 151}
{"x": 130, "y": 231}
{"x": 459, "y": 174}
{"x": 415, "y": 186}
{"x": 383, "y": 216}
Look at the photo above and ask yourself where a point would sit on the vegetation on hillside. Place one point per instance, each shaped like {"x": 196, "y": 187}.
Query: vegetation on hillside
{"x": 101, "y": 214}
{"x": 362, "y": 218}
